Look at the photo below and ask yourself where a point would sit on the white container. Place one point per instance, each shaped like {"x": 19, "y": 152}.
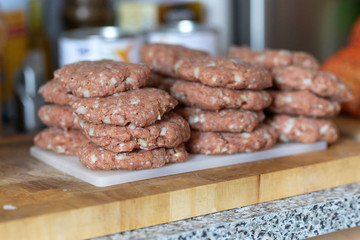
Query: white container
{"x": 99, "y": 43}
{"x": 188, "y": 34}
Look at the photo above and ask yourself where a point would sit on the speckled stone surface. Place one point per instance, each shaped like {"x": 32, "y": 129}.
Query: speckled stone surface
{"x": 297, "y": 217}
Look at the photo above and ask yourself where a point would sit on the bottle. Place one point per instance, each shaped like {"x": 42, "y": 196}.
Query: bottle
{"x": 16, "y": 48}
{"x": 2, "y": 47}
{"x": 87, "y": 13}
{"x": 37, "y": 37}
{"x": 34, "y": 70}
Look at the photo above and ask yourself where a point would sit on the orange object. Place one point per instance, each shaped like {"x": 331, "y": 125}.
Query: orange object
{"x": 124, "y": 53}
{"x": 346, "y": 64}
{"x": 3, "y": 36}
{"x": 354, "y": 38}
{"x": 16, "y": 48}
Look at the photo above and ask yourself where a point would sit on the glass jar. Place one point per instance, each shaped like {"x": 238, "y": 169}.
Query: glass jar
{"x": 87, "y": 13}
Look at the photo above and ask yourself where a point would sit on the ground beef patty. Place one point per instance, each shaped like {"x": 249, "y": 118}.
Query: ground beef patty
{"x": 215, "y": 143}
{"x": 53, "y": 92}
{"x": 169, "y": 132}
{"x": 302, "y": 103}
{"x": 321, "y": 83}
{"x": 270, "y": 58}
{"x": 159, "y": 81}
{"x": 101, "y": 78}
{"x": 226, "y": 120}
{"x": 58, "y": 116}
{"x": 303, "y": 129}
{"x": 68, "y": 142}
{"x": 223, "y": 72}
{"x": 141, "y": 107}
{"x": 97, "y": 158}
{"x": 163, "y": 57}
{"x": 211, "y": 98}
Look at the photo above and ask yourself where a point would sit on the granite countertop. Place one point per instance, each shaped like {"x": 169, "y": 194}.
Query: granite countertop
{"x": 296, "y": 217}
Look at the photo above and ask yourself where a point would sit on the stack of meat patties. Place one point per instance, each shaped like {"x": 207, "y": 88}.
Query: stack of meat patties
{"x": 304, "y": 99}
{"x": 64, "y": 133}
{"x": 223, "y": 98}
{"x": 122, "y": 126}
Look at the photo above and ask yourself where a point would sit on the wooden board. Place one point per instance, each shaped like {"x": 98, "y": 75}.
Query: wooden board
{"x": 52, "y": 205}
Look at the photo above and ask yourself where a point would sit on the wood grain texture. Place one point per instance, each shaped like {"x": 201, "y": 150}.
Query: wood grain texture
{"x": 53, "y": 205}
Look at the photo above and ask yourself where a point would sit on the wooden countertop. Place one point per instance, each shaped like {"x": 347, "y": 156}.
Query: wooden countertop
{"x": 51, "y": 204}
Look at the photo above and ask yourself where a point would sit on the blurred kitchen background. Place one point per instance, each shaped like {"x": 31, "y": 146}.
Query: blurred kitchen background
{"x": 38, "y": 36}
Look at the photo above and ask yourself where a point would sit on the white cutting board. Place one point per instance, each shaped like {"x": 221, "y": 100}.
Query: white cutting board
{"x": 71, "y": 165}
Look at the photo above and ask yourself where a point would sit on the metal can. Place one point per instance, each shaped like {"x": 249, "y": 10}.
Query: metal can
{"x": 99, "y": 43}
{"x": 188, "y": 34}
